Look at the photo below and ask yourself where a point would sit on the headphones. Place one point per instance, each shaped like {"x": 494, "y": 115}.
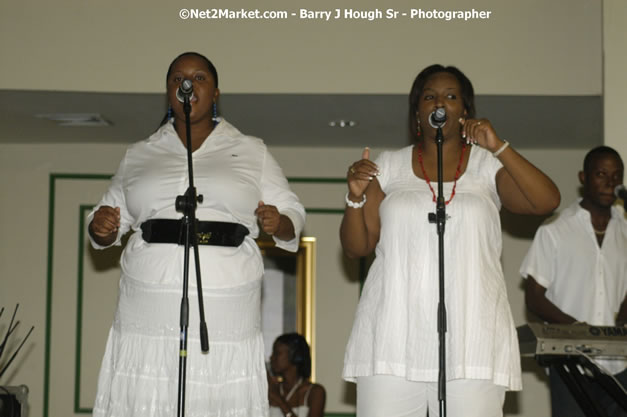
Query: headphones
{"x": 296, "y": 349}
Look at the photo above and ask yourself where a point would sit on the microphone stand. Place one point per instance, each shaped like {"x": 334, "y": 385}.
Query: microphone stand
{"x": 439, "y": 218}
{"x": 187, "y": 204}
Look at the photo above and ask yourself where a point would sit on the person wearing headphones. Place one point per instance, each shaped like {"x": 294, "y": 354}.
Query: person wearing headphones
{"x": 290, "y": 392}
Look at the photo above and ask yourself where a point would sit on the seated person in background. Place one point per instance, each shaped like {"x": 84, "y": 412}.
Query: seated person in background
{"x": 290, "y": 392}
{"x": 576, "y": 269}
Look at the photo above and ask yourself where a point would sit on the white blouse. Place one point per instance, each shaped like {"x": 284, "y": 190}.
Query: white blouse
{"x": 395, "y": 329}
{"x": 232, "y": 171}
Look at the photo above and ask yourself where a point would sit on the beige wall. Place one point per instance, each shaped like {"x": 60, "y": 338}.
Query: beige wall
{"x": 615, "y": 74}
{"x": 526, "y": 47}
{"x": 532, "y": 47}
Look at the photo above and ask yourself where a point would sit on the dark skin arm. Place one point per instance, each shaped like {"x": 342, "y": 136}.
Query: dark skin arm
{"x": 621, "y": 319}
{"x": 522, "y": 188}
{"x": 316, "y": 401}
{"x": 537, "y": 303}
{"x": 274, "y": 395}
{"x": 360, "y": 229}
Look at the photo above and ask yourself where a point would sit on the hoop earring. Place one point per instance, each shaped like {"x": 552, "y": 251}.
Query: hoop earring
{"x": 215, "y": 117}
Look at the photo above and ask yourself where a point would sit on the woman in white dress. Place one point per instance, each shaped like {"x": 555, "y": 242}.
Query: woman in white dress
{"x": 291, "y": 393}
{"x": 392, "y": 353}
{"x": 244, "y": 191}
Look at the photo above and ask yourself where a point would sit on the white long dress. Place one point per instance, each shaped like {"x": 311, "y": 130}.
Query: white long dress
{"x": 139, "y": 374}
{"x": 395, "y": 329}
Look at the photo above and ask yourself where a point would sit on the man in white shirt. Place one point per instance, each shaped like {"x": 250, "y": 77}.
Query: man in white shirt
{"x": 576, "y": 269}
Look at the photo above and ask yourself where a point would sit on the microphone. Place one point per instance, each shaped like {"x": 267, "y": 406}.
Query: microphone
{"x": 621, "y": 192}
{"x": 437, "y": 118}
{"x": 185, "y": 90}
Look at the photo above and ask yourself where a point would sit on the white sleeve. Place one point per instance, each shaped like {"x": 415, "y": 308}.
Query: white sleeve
{"x": 114, "y": 197}
{"x": 276, "y": 191}
{"x": 384, "y": 169}
{"x": 540, "y": 260}
{"x": 489, "y": 167}
{"x": 494, "y": 165}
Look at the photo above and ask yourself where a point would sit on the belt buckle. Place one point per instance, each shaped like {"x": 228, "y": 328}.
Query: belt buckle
{"x": 203, "y": 238}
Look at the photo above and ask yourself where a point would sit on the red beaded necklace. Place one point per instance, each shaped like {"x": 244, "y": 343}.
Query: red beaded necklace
{"x": 457, "y": 172}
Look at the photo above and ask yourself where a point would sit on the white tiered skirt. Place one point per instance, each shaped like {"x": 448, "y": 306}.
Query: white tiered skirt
{"x": 139, "y": 374}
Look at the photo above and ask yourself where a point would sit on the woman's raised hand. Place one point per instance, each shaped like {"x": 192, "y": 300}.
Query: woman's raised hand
{"x": 480, "y": 132}
{"x": 359, "y": 175}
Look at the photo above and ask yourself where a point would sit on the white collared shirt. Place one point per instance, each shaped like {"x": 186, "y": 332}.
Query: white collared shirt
{"x": 232, "y": 171}
{"x": 583, "y": 280}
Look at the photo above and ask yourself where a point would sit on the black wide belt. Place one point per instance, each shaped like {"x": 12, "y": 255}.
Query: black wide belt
{"x": 208, "y": 233}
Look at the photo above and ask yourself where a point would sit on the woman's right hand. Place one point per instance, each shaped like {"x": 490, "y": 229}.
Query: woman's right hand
{"x": 106, "y": 222}
{"x": 359, "y": 232}
{"x": 274, "y": 394}
{"x": 359, "y": 175}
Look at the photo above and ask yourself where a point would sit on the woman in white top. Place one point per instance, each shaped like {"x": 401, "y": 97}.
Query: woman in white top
{"x": 244, "y": 191}
{"x": 392, "y": 353}
{"x": 290, "y": 392}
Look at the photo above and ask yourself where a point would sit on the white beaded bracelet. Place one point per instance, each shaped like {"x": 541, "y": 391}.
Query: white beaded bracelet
{"x": 354, "y": 205}
{"x": 501, "y": 149}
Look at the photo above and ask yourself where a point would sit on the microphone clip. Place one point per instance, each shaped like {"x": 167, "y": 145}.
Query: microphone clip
{"x": 185, "y": 90}
{"x": 437, "y": 118}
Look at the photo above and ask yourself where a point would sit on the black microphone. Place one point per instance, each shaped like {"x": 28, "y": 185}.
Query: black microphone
{"x": 621, "y": 192}
{"x": 186, "y": 89}
{"x": 437, "y": 118}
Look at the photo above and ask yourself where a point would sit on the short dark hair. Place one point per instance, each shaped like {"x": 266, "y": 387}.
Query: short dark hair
{"x": 468, "y": 92}
{"x": 594, "y": 153}
{"x": 298, "y": 352}
{"x": 210, "y": 66}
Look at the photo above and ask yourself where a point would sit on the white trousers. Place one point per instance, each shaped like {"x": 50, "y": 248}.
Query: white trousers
{"x": 391, "y": 396}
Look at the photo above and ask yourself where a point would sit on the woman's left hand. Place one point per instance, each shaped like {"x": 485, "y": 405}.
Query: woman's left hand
{"x": 480, "y": 132}
{"x": 268, "y": 217}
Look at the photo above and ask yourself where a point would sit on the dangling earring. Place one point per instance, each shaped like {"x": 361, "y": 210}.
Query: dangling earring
{"x": 215, "y": 117}
{"x": 418, "y": 133}
{"x": 170, "y": 115}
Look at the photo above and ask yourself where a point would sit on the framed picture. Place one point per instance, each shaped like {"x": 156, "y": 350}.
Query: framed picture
{"x": 288, "y": 296}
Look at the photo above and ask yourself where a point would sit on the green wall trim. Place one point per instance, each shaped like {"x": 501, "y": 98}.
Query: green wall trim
{"x": 51, "y": 193}
{"x": 324, "y": 211}
{"x": 70, "y": 176}
{"x": 319, "y": 180}
{"x": 83, "y": 209}
{"x": 314, "y": 180}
